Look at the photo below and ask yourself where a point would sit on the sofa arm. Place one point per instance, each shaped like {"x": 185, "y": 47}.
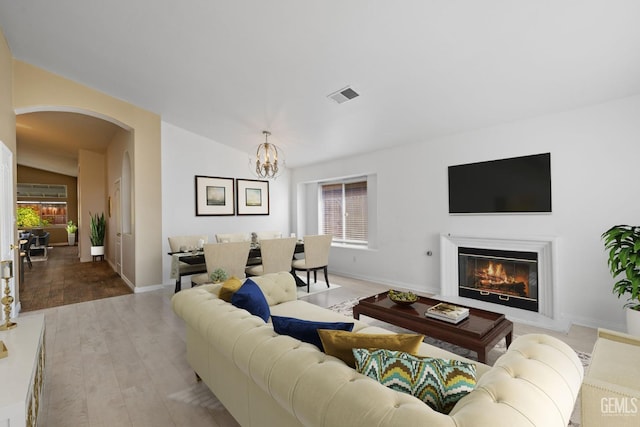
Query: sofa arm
{"x": 611, "y": 388}
{"x": 536, "y": 382}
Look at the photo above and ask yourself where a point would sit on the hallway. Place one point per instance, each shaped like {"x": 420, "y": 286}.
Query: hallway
{"x": 62, "y": 279}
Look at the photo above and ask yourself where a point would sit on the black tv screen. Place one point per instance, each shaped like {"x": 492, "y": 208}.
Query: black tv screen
{"x": 514, "y": 185}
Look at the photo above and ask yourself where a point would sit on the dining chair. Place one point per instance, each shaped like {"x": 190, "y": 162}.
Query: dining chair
{"x": 233, "y": 237}
{"x": 276, "y": 255}
{"x": 25, "y": 248}
{"x": 40, "y": 244}
{"x": 231, "y": 257}
{"x": 178, "y": 243}
{"x": 182, "y": 243}
{"x": 316, "y": 257}
{"x": 264, "y": 235}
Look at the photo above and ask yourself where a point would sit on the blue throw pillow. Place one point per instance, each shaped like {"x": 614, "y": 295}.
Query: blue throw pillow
{"x": 306, "y": 330}
{"x": 251, "y": 298}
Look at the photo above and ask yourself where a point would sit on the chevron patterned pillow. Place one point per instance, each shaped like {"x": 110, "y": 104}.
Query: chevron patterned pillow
{"x": 439, "y": 383}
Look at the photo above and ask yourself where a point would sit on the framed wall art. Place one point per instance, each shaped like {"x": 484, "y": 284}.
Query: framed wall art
{"x": 252, "y": 197}
{"x": 214, "y": 196}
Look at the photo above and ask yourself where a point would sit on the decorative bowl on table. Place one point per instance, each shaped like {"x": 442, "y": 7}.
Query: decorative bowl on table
{"x": 402, "y": 298}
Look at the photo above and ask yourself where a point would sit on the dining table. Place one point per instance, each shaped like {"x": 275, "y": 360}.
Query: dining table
{"x": 192, "y": 262}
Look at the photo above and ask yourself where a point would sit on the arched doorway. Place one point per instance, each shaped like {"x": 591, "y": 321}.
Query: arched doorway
{"x": 84, "y": 145}
{"x": 35, "y": 89}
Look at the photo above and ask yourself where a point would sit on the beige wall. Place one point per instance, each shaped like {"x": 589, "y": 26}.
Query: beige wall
{"x": 121, "y": 144}
{"x": 92, "y": 196}
{"x": 38, "y": 90}
{"x": 8, "y": 125}
{"x": 7, "y": 116}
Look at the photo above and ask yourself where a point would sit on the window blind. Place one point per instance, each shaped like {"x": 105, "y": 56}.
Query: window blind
{"x": 344, "y": 211}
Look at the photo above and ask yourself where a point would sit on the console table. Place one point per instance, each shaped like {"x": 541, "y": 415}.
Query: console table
{"x": 22, "y": 372}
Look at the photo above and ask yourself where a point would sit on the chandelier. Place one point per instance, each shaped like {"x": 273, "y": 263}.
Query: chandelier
{"x": 267, "y": 165}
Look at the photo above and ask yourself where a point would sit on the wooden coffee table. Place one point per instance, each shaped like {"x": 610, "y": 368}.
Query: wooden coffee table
{"x": 480, "y": 332}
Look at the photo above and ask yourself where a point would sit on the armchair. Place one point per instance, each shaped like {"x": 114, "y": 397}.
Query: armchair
{"x": 610, "y": 394}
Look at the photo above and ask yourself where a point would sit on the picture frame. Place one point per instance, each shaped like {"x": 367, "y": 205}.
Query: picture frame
{"x": 214, "y": 196}
{"x": 252, "y": 197}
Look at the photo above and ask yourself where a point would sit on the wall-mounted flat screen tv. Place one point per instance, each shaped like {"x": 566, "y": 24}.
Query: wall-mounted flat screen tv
{"x": 514, "y": 185}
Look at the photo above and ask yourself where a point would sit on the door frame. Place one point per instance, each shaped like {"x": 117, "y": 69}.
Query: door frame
{"x": 8, "y": 231}
{"x": 115, "y": 211}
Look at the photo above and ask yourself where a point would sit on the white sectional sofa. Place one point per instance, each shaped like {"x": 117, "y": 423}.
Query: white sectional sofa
{"x": 266, "y": 379}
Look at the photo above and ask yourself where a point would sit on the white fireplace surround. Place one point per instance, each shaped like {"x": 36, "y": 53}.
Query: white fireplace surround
{"x": 546, "y": 248}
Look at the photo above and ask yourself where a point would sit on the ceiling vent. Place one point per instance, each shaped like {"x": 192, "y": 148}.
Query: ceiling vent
{"x": 344, "y": 95}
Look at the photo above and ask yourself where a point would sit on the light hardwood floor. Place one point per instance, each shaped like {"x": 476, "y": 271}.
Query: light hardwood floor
{"x": 118, "y": 361}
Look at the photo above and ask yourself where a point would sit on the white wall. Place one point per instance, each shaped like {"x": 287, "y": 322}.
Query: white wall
{"x": 185, "y": 155}
{"x": 594, "y": 186}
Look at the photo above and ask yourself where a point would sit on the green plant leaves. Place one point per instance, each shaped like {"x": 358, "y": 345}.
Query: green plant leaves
{"x": 623, "y": 245}
{"x": 27, "y": 217}
{"x": 97, "y": 229}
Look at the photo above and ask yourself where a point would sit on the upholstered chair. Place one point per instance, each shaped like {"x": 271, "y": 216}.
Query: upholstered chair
{"x": 233, "y": 237}
{"x": 610, "y": 394}
{"x": 231, "y": 257}
{"x": 264, "y": 235}
{"x": 316, "y": 257}
{"x": 276, "y": 256}
{"x": 186, "y": 242}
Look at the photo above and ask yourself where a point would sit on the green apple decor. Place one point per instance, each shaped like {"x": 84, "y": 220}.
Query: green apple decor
{"x": 218, "y": 275}
{"x": 623, "y": 244}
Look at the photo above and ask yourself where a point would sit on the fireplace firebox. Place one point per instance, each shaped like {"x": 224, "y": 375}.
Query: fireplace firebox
{"x": 503, "y": 277}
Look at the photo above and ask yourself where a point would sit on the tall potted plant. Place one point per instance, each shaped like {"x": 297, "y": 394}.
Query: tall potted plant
{"x": 71, "y": 233}
{"x": 97, "y": 230}
{"x": 623, "y": 244}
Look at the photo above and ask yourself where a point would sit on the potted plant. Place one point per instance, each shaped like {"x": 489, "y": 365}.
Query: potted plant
{"x": 71, "y": 233}
{"x": 623, "y": 244}
{"x": 218, "y": 275}
{"x": 97, "y": 230}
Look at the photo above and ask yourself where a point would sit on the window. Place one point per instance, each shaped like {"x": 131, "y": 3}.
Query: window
{"x": 344, "y": 211}
{"x": 44, "y": 213}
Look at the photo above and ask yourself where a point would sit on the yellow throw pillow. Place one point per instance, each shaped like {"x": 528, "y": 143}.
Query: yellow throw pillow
{"x": 341, "y": 343}
{"x": 229, "y": 287}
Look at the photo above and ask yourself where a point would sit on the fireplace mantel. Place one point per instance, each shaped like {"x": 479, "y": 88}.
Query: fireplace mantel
{"x": 546, "y": 248}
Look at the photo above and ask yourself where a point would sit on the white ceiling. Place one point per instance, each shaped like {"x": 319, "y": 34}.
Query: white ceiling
{"x": 424, "y": 68}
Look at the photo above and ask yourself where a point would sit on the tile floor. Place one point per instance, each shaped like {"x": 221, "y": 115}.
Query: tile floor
{"x": 117, "y": 361}
{"x": 62, "y": 279}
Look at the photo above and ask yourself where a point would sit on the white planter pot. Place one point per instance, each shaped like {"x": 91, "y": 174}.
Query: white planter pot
{"x": 71, "y": 238}
{"x": 97, "y": 250}
{"x": 633, "y": 322}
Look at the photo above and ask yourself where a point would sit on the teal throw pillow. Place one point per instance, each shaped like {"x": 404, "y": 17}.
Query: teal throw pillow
{"x": 251, "y": 298}
{"x": 306, "y": 330}
{"x": 439, "y": 383}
